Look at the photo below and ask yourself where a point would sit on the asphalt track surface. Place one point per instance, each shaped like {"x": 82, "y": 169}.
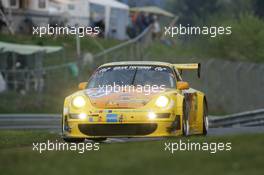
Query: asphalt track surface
{"x": 52, "y": 124}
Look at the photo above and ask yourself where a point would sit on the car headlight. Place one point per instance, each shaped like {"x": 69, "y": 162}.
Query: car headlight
{"x": 162, "y": 101}
{"x": 78, "y": 102}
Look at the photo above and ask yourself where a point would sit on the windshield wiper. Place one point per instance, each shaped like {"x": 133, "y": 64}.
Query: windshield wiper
{"x": 134, "y": 77}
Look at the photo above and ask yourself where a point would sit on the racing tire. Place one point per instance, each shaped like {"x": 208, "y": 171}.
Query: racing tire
{"x": 74, "y": 140}
{"x": 205, "y": 120}
{"x": 185, "y": 121}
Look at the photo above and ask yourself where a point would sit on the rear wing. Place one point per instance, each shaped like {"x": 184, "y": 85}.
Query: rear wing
{"x": 189, "y": 66}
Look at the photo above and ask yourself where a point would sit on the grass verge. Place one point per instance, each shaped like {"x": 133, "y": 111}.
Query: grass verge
{"x": 149, "y": 157}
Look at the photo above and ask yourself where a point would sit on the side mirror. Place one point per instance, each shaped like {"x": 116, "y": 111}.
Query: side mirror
{"x": 182, "y": 85}
{"x": 82, "y": 85}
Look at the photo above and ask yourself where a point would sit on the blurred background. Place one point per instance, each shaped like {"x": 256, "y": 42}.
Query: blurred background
{"x": 36, "y": 73}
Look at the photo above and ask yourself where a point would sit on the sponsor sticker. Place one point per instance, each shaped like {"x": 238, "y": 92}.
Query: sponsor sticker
{"x": 111, "y": 118}
{"x": 90, "y": 119}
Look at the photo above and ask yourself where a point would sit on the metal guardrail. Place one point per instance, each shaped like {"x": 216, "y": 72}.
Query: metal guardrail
{"x": 53, "y": 121}
{"x": 30, "y": 121}
{"x": 124, "y": 44}
{"x": 249, "y": 118}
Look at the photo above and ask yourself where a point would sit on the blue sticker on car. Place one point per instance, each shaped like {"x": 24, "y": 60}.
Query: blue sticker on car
{"x": 90, "y": 119}
{"x": 111, "y": 118}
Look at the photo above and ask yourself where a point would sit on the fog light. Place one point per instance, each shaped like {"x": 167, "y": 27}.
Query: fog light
{"x": 152, "y": 115}
{"x": 82, "y": 116}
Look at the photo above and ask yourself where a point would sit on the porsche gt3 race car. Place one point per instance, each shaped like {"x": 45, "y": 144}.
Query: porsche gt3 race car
{"x": 135, "y": 99}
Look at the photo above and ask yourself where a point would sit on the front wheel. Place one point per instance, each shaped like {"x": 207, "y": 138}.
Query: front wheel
{"x": 101, "y": 139}
{"x": 74, "y": 140}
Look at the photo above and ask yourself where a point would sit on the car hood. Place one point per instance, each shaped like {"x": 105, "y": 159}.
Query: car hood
{"x": 112, "y": 100}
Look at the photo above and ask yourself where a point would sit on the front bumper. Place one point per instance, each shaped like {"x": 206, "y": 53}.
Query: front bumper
{"x": 131, "y": 129}
{"x": 121, "y": 123}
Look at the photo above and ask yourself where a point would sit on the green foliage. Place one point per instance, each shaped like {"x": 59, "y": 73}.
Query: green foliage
{"x": 200, "y": 11}
{"x": 190, "y": 11}
{"x": 245, "y": 43}
{"x": 244, "y": 16}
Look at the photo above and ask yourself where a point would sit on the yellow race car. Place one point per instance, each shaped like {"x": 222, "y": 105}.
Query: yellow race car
{"x": 135, "y": 99}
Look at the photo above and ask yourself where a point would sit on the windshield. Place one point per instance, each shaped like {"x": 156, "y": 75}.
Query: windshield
{"x": 133, "y": 75}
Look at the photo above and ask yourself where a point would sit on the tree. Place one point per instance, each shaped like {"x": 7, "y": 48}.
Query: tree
{"x": 259, "y": 8}
{"x": 195, "y": 12}
{"x": 192, "y": 12}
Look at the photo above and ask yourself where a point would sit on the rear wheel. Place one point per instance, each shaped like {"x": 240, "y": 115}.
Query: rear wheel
{"x": 74, "y": 140}
{"x": 205, "y": 120}
{"x": 185, "y": 121}
{"x": 186, "y": 128}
